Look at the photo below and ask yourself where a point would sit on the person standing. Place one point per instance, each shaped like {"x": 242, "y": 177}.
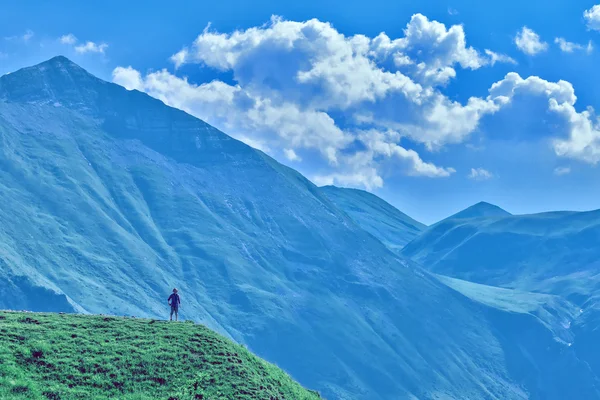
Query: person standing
{"x": 174, "y": 302}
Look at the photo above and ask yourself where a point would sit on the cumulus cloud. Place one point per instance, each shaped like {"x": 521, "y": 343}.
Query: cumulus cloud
{"x": 581, "y": 130}
{"x": 569, "y": 47}
{"x": 429, "y": 52}
{"x": 592, "y": 17}
{"x": 583, "y": 142}
{"x": 480, "y": 174}
{"x": 128, "y": 77}
{"x": 363, "y": 104}
{"x": 529, "y": 42}
{"x": 513, "y": 84}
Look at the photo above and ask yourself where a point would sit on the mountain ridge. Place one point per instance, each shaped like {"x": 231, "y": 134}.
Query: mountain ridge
{"x": 393, "y": 227}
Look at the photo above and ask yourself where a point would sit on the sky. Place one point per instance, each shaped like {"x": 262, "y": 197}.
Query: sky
{"x": 433, "y": 107}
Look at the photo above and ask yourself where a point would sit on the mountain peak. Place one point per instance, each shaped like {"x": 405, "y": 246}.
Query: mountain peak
{"x": 57, "y": 80}
{"x": 481, "y": 209}
{"x": 58, "y": 62}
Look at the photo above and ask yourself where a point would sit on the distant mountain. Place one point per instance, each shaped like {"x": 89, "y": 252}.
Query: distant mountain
{"x": 556, "y": 253}
{"x": 530, "y": 252}
{"x": 110, "y": 199}
{"x": 394, "y": 228}
{"x": 481, "y": 209}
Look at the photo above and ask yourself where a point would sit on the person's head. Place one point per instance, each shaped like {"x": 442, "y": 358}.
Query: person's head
{"x": 175, "y": 290}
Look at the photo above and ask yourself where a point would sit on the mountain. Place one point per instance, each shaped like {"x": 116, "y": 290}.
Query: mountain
{"x": 530, "y": 252}
{"x": 455, "y": 247}
{"x": 42, "y": 359}
{"x": 394, "y": 228}
{"x": 556, "y": 253}
{"x": 481, "y": 209}
{"x": 110, "y": 199}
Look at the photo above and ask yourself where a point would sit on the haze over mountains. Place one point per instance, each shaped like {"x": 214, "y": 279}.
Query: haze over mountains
{"x": 110, "y": 198}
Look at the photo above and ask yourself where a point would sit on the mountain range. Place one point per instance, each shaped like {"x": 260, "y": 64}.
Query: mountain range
{"x": 545, "y": 265}
{"x": 110, "y": 199}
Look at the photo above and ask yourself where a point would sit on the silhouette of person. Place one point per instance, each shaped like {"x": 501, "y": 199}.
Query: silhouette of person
{"x": 174, "y": 302}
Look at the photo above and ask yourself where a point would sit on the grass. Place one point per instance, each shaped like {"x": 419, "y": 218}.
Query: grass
{"x": 68, "y": 356}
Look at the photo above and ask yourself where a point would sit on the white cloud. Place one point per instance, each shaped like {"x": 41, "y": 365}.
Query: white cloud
{"x": 583, "y": 128}
{"x": 69, "y": 39}
{"x": 291, "y": 155}
{"x": 128, "y": 77}
{"x": 179, "y": 58}
{"x": 429, "y": 52}
{"x": 87, "y": 47}
{"x": 529, "y": 42}
{"x": 356, "y": 101}
{"x": 480, "y": 174}
{"x": 570, "y": 47}
{"x": 512, "y": 85}
{"x": 91, "y": 47}
{"x": 314, "y": 70}
{"x": 429, "y": 49}
{"x": 592, "y": 17}
{"x": 562, "y": 171}
{"x": 501, "y": 58}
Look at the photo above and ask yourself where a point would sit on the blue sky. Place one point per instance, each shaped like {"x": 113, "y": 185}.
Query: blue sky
{"x": 433, "y": 106}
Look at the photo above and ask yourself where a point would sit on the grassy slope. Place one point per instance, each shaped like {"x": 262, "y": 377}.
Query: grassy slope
{"x": 64, "y": 356}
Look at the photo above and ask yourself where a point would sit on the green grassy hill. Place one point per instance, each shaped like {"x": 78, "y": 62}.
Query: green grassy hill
{"x": 66, "y": 356}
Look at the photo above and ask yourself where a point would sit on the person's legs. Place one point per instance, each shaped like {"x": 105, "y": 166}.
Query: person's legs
{"x": 176, "y": 313}
{"x": 172, "y": 311}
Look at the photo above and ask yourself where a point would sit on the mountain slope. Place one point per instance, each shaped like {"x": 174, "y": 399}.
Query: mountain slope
{"x": 530, "y": 252}
{"x": 532, "y": 315}
{"x": 556, "y": 253}
{"x": 110, "y": 199}
{"x": 129, "y": 359}
{"x": 394, "y": 228}
{"x": 479, "y": 210}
